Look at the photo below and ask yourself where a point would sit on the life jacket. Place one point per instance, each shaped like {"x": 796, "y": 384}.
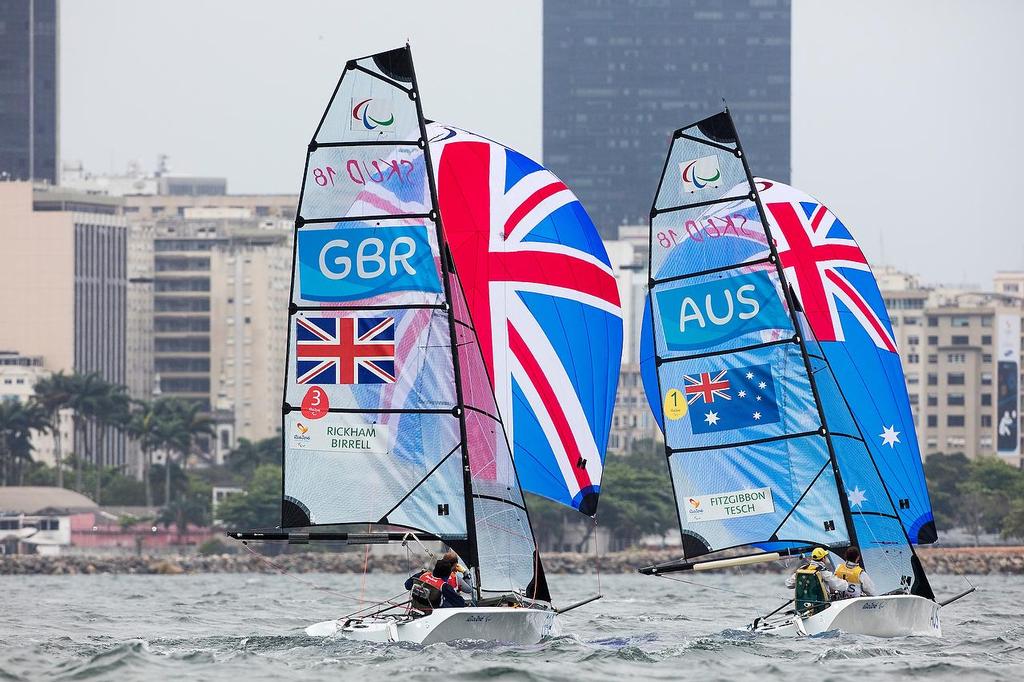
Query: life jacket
{"x": 810, "y": 594}
{"x": 453, "y": 580}
{"x": 426, "y": 592}
{"x": 851, "y": 576}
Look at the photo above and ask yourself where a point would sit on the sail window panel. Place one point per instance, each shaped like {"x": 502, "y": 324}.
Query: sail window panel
{"x": 864, "y": 489}
{"x": 490, "y": 463}
{"x": 373, "y": 263}
{"x": 394, "y": 65}
{"x": 507, "y": 553}
{"x": 722, "y": 400}
{"x": 477, "y": 392}
{"x": 721, "y": 311}
{"x": 732, "y": 497}
{"x": 352, "y": 182}
{"x": 887, "y": 557}
{"x": 398, "y": 359}
{"x": 368, "y": 109}
{"x": 356, "y": 468}
{"x": 699, "y": 172}
{"x": 706, "y": 238}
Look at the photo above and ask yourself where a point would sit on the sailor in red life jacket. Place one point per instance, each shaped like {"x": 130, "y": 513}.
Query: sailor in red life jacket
{"x": 463, "y": 576}
{"x": 435, "y": 589}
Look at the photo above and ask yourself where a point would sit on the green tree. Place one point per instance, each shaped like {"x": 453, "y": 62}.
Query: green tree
{"x": 53, "y": 394}
{"x": 192, "y": 506}
{"x": 86, "y": 395}
{"x": 259, "y": 506}
{"x": 18, "y": 420}
{"x": 111, "y": 410}
{"x": 638, "y": 501}
{"x": 944, "y": 474}
{"x": 180, "y": 425}
{"x": 248, "y": 455}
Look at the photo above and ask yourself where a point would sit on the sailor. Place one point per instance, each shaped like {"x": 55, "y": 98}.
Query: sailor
{"x": 858, "y": 582}
{"x": 820, "y": 566}
{"x": 463, "y": 576}
{"x": 435, "y": 589}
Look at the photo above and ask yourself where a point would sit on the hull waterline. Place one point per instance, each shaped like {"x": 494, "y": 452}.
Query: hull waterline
{"x": 887, "y": 616}
{"x": 499, "y": 624}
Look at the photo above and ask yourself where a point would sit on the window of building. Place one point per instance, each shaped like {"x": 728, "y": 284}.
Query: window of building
{"x": 986, "y": 321}
{"x": 933, "y": 420}
{"x": 986, "y": 420}
{"x": 933, "y": 379}
{"x": 913, "y": 340}
{"x": 955, "y": 378}
{"x": 956, "y": 358}
{"x": 959, "y": 321}
{"x": 955, "y": 399}
{"x": 985, "y": 442}
{"x": 933, "y": 399}
{"x": 48, "y": 524}
{"x": 933, "y": 321}
{"x": 933, "y": 340}
{"x": 911, "y": 321}
{"x": 986, "y": 378}
{"x": 933, "y": 358}
{"x": 913, "y": 399}
{"x": 932, "y": 443}
{"x": 986, "y": 357}
{"x": 913, "y": 379}
{"x": 986, "y": 399}
{"x": 954, "y": 420}
{"x": 986, "y": 339}
{"x": 913, "y": 358}
{"x": 961, "y": 340}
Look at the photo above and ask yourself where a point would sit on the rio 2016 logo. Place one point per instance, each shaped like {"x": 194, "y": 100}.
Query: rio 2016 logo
{"x": 361, "y": 116}
{"x": 700, "y": 173}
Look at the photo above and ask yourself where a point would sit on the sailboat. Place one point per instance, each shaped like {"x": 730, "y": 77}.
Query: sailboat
{"x": 769, "y": 362}
{"x": 438, "y": 280}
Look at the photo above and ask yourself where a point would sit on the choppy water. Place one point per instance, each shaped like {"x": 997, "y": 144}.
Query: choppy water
{"x": 244, "y": 627}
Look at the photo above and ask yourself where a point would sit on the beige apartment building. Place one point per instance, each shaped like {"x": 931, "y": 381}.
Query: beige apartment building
{"x": 961, "y": 353}
{"x": 221, "y": 276}
{"x": 63, "y": 287}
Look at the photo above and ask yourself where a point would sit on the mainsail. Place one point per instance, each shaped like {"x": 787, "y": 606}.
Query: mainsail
{"x": 389, "y": 417}
{"x": 848, "y": 388}
{"x": 750, "y": 456}
{"x": 537, "y": 280}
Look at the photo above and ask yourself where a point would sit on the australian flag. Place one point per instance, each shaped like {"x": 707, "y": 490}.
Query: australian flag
{"x": 731, "y": 399}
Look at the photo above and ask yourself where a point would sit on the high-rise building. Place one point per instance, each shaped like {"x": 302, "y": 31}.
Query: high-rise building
{"x": 63, "y": 286}
{"x": 221, "y": 274}
{"x": 961, "y": 353}
{"x": 28, "y": 90}
{"x": 620, "y": 76}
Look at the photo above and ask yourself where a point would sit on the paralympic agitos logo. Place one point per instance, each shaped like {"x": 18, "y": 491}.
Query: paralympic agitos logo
{"x": 698, "y": 174}
{"x": 361, "y": 117}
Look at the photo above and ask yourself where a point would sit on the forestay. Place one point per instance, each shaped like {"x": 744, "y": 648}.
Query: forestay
{"x": 727, "y": 374}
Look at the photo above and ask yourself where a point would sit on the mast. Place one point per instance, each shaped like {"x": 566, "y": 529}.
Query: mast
{"x": 447, "y": 267}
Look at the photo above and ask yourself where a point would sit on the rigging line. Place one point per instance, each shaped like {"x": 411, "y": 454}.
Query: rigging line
{"x": 285, "y": 572}
{"x": 720, "y": 589}
{"x": 366, "y": 560}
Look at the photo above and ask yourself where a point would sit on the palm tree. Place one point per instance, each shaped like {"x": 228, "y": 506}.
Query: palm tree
{"x": 17, "y": 422}
{"x": 87, "y": 391}
{"x": 111, "y": 410}
{"x": 53, "y": 394}
{"x": 181, "y": 424}
{"x": 144, "y": 427}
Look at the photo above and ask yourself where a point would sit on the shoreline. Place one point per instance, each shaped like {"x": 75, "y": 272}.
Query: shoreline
{"x": 936, "y": 561}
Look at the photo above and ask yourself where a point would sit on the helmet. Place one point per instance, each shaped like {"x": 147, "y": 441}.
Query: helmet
{"x": 819, "y": 553}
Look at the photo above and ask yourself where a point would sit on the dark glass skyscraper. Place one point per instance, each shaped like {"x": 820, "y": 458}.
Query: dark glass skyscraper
{"x": 621, "y": 75}
{"x": 28, "y": 89}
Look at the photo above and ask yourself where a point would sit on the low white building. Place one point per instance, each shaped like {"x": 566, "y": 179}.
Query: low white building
{"x": 38, "y": 519}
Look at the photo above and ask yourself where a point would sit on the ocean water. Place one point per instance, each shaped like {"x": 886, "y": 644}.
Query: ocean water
{"x": 250, "y": 627}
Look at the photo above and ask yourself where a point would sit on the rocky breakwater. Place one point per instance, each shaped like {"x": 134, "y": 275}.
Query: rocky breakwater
{"x": 944, "y": 560}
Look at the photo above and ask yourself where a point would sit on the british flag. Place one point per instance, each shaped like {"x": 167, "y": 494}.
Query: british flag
{"x": 345, "y": 350}
{"x": 545, "y": 306}
{"x": 824, "y": 265}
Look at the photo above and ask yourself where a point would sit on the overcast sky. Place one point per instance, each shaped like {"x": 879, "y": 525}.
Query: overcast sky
{"x": 906, "y": 116}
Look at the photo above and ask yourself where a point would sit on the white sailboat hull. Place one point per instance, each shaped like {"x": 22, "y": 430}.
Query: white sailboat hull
{"x": 497, "y": 623}
{"x": 899, "y": 615}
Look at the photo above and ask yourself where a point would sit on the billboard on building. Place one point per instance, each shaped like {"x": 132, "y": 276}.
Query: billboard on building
{"x": 1008, "y": 385}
